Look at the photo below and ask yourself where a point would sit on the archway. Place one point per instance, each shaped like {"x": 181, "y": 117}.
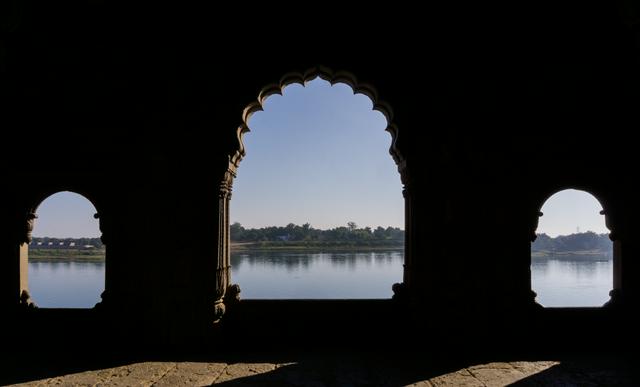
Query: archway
{"x": 66, "y": 257}
{"x": 223, "y": 278}
{"x": 572, "y": 259}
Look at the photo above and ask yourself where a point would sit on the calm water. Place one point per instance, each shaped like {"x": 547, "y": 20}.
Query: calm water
{"x": 576, "y": 281}
{"x": 66, "y": 284}
{"x": 558, "y": 282}
{"x": 316, "y": 275}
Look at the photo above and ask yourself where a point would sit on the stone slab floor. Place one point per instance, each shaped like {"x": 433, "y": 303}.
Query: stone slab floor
{"x": 339, "y": 369}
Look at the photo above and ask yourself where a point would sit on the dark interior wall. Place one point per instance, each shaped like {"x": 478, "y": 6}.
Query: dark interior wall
{"x": 138, "y": 107}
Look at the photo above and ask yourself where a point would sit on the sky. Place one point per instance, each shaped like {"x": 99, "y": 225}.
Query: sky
{"x": 66, "y": 215}
{"x": 318, "y": 154}
{"x": 567, "y": 211}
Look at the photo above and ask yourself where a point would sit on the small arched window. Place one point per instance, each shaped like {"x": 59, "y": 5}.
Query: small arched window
{"x": 572, "y": 257}
{"x": 66, "y": 257}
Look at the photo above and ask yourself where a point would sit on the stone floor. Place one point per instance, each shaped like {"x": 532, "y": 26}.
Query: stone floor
{"x": 348, "y": 370}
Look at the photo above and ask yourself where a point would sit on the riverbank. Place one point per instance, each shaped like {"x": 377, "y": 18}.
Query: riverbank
{"x": 584, "y": 254}
{"x": 307, "y": 246}
{"x": 53, "y": 255}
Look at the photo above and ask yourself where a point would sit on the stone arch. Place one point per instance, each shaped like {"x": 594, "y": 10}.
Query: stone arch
{"x": 227, "y": 293}
{"x": 332, "y": 77}
{"x": 88, "y": 195}
{"x": 29, "y": 220}
{"x": 598, "y": 195}
{"x": 605, "y": 203}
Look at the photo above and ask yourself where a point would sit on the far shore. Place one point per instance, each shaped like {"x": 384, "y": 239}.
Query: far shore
{"x": 586, "y": 254}
{"x": 302, "y": 246}
{"x": 57, "y": 255}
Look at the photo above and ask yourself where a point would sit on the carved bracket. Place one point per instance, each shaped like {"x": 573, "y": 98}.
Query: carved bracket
{"x": 534, "y": 226}
{"x": 226, "y": 185}
{"x": 103, "y": 224}
{"x": 399, "y": 292}
{"x": 613, "y": 224}
{"x": 232, "y": 295}
{"x": 218, "y": 311}
{"x": 25, "y": 300}
{"x": 28, "y": 228}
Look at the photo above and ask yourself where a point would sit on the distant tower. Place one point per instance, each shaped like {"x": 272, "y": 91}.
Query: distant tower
{"x": 578, "y": 228}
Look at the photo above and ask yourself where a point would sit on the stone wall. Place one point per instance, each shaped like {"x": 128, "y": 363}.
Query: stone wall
{"x": 141, "y": 111}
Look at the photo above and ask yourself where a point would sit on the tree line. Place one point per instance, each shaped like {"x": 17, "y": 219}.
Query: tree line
{"x": 585, "y": 241}
{"x": 43, "y": 242}
{"x": 306, "y": 233}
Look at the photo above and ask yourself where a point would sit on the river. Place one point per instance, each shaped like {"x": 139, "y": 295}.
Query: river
{"x": 575, "y": 281}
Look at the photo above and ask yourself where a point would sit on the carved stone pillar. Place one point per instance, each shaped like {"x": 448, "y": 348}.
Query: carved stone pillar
{"x": 400, "y": 290}
{"x": 23, "y": 240}
{"x": 103, "y": 225}
{"x": 223, "y": 266}
{"x": 617, "y": 293}
{"x": 529, "y": 294}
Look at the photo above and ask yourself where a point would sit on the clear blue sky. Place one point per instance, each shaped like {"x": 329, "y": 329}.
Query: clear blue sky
{"x": 567, "y": 210}
{"x": 318, "y": 154}
{"x": 66, "y": 215}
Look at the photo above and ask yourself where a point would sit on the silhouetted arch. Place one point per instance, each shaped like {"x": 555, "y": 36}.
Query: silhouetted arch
{"x": 604, "y": 204}
{"x": 225, "y": 292}
{"x": 332, "y": 77}
{"x": 37, "y": 201}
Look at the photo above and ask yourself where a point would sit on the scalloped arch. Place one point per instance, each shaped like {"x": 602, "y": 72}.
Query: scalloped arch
{"x": 332, "y": 77}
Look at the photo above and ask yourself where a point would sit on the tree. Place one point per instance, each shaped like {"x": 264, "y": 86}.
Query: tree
{"x": 379, "y": 233}
{"x": 294, "y": 233}
{"x": 236, "y": 231}
{"x": 575, "y": 242}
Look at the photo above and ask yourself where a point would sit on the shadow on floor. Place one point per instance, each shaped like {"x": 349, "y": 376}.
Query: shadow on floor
{"x": 395, "y": 372}
{"x": 326, "y": 368}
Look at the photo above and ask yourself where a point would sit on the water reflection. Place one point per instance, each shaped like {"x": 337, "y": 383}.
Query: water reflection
{"x": 572, "y": 280}
{"x": 66, "y": 284}
{"x": 567, "y": 281}
{"x": 290, "y": 274}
